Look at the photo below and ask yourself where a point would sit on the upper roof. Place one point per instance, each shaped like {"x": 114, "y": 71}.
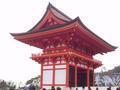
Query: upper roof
{"x": 51, "y": 15}
{"x": 58, "y": 13}
{"x": 55, "y": 20}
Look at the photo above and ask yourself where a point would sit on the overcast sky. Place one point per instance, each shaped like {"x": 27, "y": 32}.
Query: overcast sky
{"x": 16, "y": 16}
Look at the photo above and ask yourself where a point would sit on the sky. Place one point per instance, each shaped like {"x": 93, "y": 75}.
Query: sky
{"x": 16, "y": 16}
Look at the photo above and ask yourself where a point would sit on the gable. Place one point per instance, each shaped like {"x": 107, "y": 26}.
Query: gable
{"x": 50, "y": 20}
{"x": 52, "y": 17}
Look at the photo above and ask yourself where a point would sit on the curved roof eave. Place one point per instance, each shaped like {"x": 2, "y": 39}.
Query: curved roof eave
{"x": 79, "y": 22}
{"x": 82, "y": 24}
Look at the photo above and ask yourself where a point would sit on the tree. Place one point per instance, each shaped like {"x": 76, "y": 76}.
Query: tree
{"x": 100, "y": 80}
{"x": 3, "y": 85}
{"x": 7, "y": 85}
{"x": 11, "y": 85}
{"x": 111, "y": 77}
{"x": 115, "y": 78}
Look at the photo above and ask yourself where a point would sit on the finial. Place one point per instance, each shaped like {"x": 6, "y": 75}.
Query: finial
{"x": 49, "y": 5}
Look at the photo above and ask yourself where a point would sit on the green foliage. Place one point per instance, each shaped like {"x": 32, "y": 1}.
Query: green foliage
{"x": 32, "y": 79}
{"x": 7, "y": 85}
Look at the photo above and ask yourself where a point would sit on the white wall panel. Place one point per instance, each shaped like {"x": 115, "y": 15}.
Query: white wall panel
{"x": 47, "y": 67}
{"x": 60, "y": 66}
{"x": 60, "y": 76}
{"x": 47, "y": 76}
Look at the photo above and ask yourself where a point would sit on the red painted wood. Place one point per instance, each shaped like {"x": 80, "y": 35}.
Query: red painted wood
{"x": 73, "y": 53}
{"x": 53, "y": 72}
{"x": 55, "y": 69}
{"x": 41, "y": 79}
{"x": 50, "y": 15}
{"x": 84, "y": 32}
{"x": 76, "y": 48}
{"x": 67, "y": 74}
{"x": 55, "y": 64}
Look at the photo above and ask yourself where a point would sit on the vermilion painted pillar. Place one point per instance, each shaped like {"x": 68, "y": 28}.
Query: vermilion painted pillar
{"x": 53, "y": 82}
{"x": 41, "y": 77}
{"x": 88, "y": 78}
{"x": 67, "y": 74}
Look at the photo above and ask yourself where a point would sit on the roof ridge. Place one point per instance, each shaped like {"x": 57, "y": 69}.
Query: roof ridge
{"x": 51, "y": 6}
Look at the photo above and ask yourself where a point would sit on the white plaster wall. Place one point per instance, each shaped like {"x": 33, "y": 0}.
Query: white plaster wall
{"x": 47, "y": 67}
{"x": 60, "y": 66}
{"x": 60, "y": 76}
{"x": 47, "y": 76}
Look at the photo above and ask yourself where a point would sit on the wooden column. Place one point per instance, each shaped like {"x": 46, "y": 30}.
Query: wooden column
{"x": 67, "y": 74}
{"x": 88, "y": 78}
{"x": 41, "y": 77}
{"x": 53, "y": 82}
{"x": 75, "y": 75}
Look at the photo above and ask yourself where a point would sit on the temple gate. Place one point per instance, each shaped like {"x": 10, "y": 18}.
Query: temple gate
{"x": 68, "y": 49}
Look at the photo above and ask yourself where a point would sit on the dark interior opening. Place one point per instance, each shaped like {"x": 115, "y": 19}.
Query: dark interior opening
{"x": 81, "y": 77}
{"x": 71, "y": 76}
